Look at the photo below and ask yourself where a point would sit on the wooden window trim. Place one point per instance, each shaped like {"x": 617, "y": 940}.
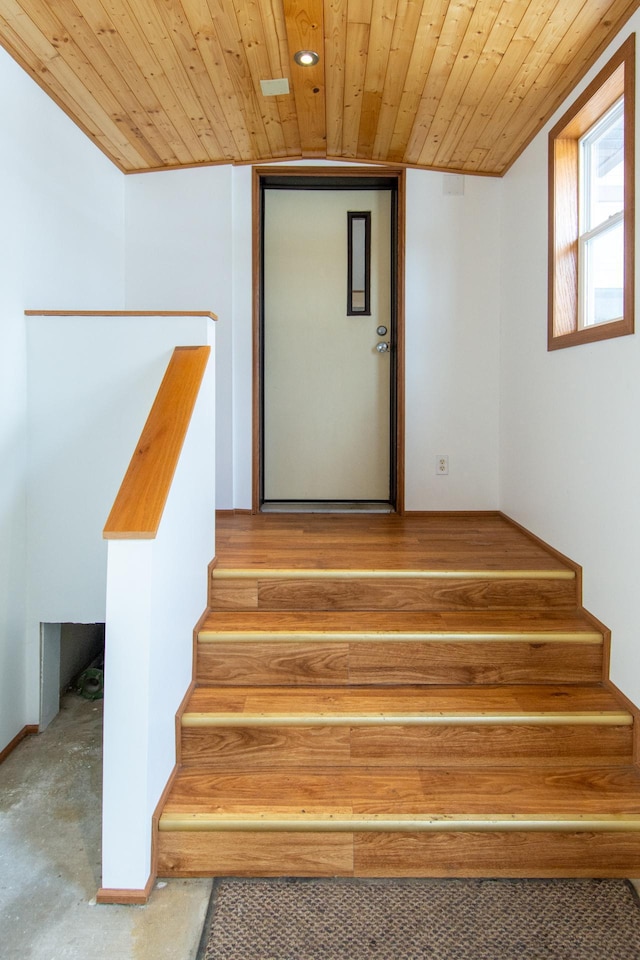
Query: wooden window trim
{"x": 617, "y": 78}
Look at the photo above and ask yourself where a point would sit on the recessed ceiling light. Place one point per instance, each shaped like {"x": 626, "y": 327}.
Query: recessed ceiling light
{"x": 306, "y": 58}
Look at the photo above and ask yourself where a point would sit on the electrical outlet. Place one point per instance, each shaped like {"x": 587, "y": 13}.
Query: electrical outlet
{"x": 442, "y": 466}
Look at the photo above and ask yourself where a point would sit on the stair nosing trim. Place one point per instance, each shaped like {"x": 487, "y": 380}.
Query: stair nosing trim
{"x": 440, "y": 718}
{"x": 345, "y": 573}
{"x": 399, "y": 823}
{"x": 430, "y": 636}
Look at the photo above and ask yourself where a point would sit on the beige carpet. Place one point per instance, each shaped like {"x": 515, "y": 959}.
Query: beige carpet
{"x": 298, "y": 919}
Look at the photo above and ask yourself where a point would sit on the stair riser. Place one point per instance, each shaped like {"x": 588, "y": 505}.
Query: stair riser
{"x": 394, "y": 662}
{"x": 391, "y": 594}
{"x": 404, "y": 745}
{"x": 371, "y": 854}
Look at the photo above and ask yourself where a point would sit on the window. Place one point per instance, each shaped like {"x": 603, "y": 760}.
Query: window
{"x": 359, "y": 264}
{"x": 591, "y": 210}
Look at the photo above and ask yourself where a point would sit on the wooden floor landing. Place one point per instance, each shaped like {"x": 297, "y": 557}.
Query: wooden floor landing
{"x": 386, "y": 542}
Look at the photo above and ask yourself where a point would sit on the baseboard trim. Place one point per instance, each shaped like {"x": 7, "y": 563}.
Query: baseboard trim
{"x": 451, "y": 513}
{"x": 128, "y": 897}
{"x": 552, "y": 550}
{"x": 137, "y": 897}
{"x": 28, "y": 731}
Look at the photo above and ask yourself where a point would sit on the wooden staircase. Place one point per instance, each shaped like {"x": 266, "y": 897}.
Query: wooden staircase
{"x": 387, "y": 696}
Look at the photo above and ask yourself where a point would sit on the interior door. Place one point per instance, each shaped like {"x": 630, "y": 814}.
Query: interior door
{"x": 326, "y": 374}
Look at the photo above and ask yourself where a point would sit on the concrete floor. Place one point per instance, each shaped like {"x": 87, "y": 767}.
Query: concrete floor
{"x": 50, "y": 789}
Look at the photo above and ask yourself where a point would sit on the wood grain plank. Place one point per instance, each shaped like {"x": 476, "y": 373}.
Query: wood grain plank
{"x": 454, "y": 27}
{"x": 206, "y": 37}
{"x": 272, "y": 663}
{"x": 357, "y": 45}
{"x": 405, "y": 28}
{"x": 448, "y": 113}
{"x": 470, "y": 663}
{"x": 487, "y": 745}
{"x": 265, "y": 746}
{"x": 275, "y": 38}
{"x": 250, "y": 854}
{"x": 165, "y": 29}
{"x": 451, "y": 594}
{"x": 482, "y": 624}
{"x": 515, "y": 854}
{"x": 512, "y": 48}
{"x": 233, "y": 594}
{"x": 515, "y": 703}
{"x": 205, "y": 109}
{"x": 431, "y": 797}
{"x": 428, "y": 32}
{"x": 140, "y": 502}
{"x": 305, "y": 31}
{"x": 335, "y": 52}
{"x": 134, "y": 48}
{"x": 414, "y": 746}
{"x": 250, "y": 28}
{"x": 383, "y": 18}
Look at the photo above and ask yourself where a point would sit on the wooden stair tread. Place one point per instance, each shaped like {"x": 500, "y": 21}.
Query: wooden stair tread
{"x": 210, "y": 705}
{"x": 471, "y": 622}
{"x": 375, "y": 798}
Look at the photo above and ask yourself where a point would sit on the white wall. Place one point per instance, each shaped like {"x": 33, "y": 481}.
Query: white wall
{"x": 189, "y": 245}
{"x": 61, "y": 246}
{"x": 570, "y": 443}
{"x": 179, "y": 244}
{"x": 452, "y": 351}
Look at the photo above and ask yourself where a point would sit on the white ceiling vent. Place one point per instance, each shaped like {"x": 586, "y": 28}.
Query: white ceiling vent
{"x": 274, "y": 88}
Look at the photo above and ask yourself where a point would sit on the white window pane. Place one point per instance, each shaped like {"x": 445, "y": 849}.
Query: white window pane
{"x": 605, "y": 171}
{"x": 604, "y": 255}
{"x": 358, "y": 253}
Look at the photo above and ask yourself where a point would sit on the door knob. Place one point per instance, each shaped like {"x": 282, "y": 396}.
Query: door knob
{"x": 382, "y": 347}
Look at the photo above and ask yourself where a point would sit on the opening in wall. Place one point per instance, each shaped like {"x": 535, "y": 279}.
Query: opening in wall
{"x": 68, "y": 652}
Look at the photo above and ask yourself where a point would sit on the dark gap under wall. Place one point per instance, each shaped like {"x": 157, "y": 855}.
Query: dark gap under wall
{"x": 80, "y": 645}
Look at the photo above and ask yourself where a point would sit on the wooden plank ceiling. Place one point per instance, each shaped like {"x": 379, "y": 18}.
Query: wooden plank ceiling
{"x": 459, "y": 85}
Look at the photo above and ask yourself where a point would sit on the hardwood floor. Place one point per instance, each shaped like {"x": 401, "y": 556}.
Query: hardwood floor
{"x": 399, "y": 696}
{"x": 377, "y": 542}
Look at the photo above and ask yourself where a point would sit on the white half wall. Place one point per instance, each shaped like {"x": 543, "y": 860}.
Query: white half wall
{"x": 61, "y": 246}
{"x": 157, "y": 591}
{"x": 570, "y": 444}
{"x": 92, "y": 383}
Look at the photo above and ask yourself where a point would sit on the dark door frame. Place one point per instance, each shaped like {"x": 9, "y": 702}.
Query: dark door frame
{"x": 333, "y": 178}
